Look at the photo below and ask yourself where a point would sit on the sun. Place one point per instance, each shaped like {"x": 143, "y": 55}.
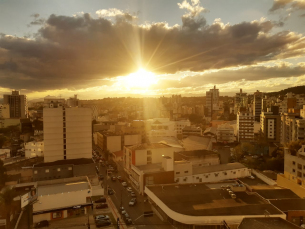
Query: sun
{"x": 140, "y": 79}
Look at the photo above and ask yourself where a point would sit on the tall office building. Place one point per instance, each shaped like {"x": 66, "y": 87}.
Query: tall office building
{"x": 67, "y": 133}
{"x": 240, "y": 101}
{"x": 257, "y": 105}
{"x": 212, "y": 101}
{"x": 245, "y": 126}
{"x": 17, "y": 103}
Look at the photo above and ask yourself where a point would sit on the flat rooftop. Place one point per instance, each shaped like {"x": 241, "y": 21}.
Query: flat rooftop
{"x": 289, "y": 204}
{"x": 148, "y": 146}
{"x": 277, "y": 194}
{"x": 217, "y": 168}
{"x": 60, "y": 188}
{"x": 196, "y": 142}
{"x": 150, "y": 168}
{"x": 200, "y": 200}
{"x": 79, "y": 161}
{"x": 266, "y": 223}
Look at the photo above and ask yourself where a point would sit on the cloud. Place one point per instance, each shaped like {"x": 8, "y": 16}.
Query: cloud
{"x": 79, "y": 51}
{"x": 37, "y": 20}
{"x": 294, "y": 4}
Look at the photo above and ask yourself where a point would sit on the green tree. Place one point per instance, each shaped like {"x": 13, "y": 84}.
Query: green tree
{"x": 7, "y": 198}
{"x": 295, "y": 146}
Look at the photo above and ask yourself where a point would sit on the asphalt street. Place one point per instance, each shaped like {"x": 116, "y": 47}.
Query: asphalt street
{"x": 122, "y": 197}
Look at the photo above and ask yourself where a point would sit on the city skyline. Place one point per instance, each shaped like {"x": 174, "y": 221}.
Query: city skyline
{"x": 136, "y": 48}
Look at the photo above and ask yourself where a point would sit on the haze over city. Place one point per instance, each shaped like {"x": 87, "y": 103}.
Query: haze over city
{"x": 150, "y": 48}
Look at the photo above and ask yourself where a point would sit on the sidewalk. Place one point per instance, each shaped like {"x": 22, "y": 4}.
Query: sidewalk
{"x": 115, "y": 213}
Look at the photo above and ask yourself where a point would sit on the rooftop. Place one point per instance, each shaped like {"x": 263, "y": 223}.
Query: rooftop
{"x": 217, "y": 168}
{"x": 289, "y": 204}
{"x": 266, "y": 223}
{"x": 60, "y": 188}
{"x": 78, "y": 161}
{"x": 151, "y": 168}
{"x": 148, "y": 146}
{"x": 200, "y": 200}
{"x": 196, "y": 142}
{"x": 273, "y": 194}
{"x": 118, "y": 153}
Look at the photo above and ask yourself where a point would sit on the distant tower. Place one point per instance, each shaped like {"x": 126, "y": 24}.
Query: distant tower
{"x": 212, "y": 101}
{"x": 17, "y": 103}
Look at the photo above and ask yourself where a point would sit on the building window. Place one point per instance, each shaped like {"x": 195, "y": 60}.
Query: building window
{"x": 186, "y": 171}
{"x": 148, "y": 152}
{"x": 47, "y": 170}
{"x": 293, "y": 170}
{"x": 177, "y": 172}
{"x": 293, "y": 162}
{"x": 299, "y": 166}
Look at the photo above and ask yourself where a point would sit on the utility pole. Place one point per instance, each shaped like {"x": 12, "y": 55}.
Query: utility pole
{"x": 88, "y": 224}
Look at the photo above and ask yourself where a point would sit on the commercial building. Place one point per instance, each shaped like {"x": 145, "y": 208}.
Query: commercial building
{"x": 191, "y": 130}
{"x": 206, "y": 205}
{"x": 257, "y": 105}
{"x": 292, "y": 127}
{"x": 33, "y": 149}
{"x": 266, "y": 222}
{"x": 240, "y": 101}
{"x": 17, "y": 104}
{"x": 245, "y": 126}
{"x": 225, "y": 133}
{"x": 62, "y": 199}
{"x": 270, "y": 124}
{"x": 294, "y": 175}
{"x": 67, "y": 133}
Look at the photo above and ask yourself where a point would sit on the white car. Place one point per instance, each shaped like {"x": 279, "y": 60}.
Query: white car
{"x": 124, "y": 184}
{"x": 252, "y": 177}
{"x": 101, "y": 217}
{"x": 129, "y": 189}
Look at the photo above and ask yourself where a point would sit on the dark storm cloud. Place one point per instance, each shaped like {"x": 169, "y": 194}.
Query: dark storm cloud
{"x": 75, "y": 52}
{"x": 252, "y": 73}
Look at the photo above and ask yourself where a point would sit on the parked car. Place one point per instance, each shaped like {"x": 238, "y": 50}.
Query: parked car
{"x": 101, "y": 206}
{"x": 43, "y": 223}
{"x": 123, "y": 212}
{"x": 102, "y": 223}
{"x": 251, "y": 177}
{"x": 128, "y": 221}
{"x": 129, "y": 189}
{"x": 101, "y": 200}
{"x": 119, "y": 178}
{"x": 133, "y": 194}
{"x": 113, "y": 178}
{"x": 124, "y": 184}
{"x": 110, "y": 191}
{"x": 101, "y": 217}
{"x": 122, "y": 209}
{"x": 133, "y": 202}
{"x": 125, "y": 216}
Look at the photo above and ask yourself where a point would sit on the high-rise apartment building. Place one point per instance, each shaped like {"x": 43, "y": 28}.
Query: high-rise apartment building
{"x": 271, "y": 124}
{"x": 17, "y": 103}
{"x": 245, "y": 126}
{"x": 257, "y": 105}
{"x": 4, "y": 111}
{"x": 67, "y": 133}
{"x": 212, "y": 101}
{"x": 240, "y": 101}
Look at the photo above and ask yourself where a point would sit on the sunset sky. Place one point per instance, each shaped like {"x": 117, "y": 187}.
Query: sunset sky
{"x": 113, "y": 48}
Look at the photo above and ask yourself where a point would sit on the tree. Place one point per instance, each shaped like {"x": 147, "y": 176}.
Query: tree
{"x": 7, "y": 198}
{"x": 107, "y": 153}
{"x": 2, "y": 174}
{"x": 295, "y": 146}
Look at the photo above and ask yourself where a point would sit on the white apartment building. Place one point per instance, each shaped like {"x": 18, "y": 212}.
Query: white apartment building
{"x": 225, "y": 133}
{"x": 51, "y": 101}
{"x": 4, "y": 111}
{"x": 33, "y": 149}
{"x": 67, "y": 133}
{"x": 245, "y": 126}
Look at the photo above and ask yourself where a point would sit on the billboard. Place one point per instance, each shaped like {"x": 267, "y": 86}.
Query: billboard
{"x": 28, "y": 197}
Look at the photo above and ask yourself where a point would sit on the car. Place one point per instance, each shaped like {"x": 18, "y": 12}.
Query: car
{"x": 113, "y": 178}
{"x": 133, "y": 194}
{"x": 76, "y": 207}
{"x": 122, "y": 208}
{"x": 101, "y": 206}
{"x": 255, "y": 156}
{"x": 128, "y": 221}
{"x": 101, "y": 217}
{"x": 124, "y": 184}
{"x": 119, "y": 178}
{"x": 125, "y": 216}
{"x": 102, "y": 223}
{"x": 110, "y": 191}
{"x": 132, "y": 202}
{"x": 43, "y": 223}
{"x": 123, "y": 212}
{"x": 251, "y": 177}
{"x": 100, "y": 200}
{"x": 129, "y": 189}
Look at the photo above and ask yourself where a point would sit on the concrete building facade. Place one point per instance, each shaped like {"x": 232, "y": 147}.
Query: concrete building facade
{"x": 33, "y": 149}
{"x": 4, "y": 111}
{"x": 67, "y": 133}
{"x": 270, "y": 125}
{"x": 17, "y": 104}
{"x": 245, "y": 126}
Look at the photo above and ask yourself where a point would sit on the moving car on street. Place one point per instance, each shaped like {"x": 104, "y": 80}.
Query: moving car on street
{"x": 133, "y": 202}
{"x": 101, "y": 217}
{"x": 124, "y": 184}
{"x": 129, "y": 189}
